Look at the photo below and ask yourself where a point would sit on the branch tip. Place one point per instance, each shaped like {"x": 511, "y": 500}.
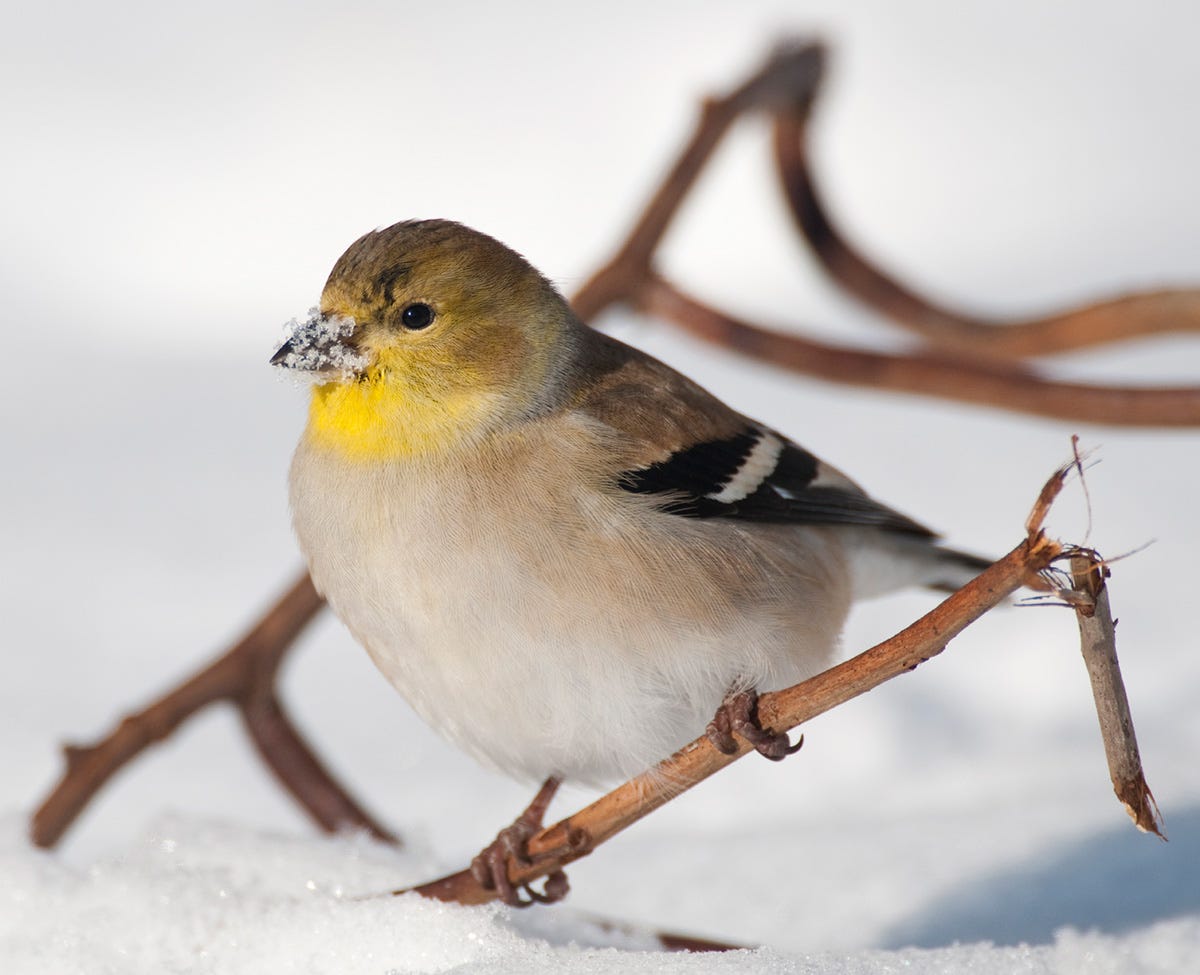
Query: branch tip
{"x": 1041, "y": 507}
{"x": 788, "y": 81}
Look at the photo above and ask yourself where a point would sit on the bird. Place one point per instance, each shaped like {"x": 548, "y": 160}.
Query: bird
{"x": 568, "y": 557}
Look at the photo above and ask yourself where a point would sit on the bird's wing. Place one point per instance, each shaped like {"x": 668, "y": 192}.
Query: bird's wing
{"x": 705, "y": 460}
{"x": 758, "y": 475}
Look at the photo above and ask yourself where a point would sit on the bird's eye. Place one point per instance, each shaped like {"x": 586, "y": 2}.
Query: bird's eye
{"x": 417, "y": 316}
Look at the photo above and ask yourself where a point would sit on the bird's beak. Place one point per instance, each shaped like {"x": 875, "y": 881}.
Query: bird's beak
{"x": 280, "y": 358}
{"x": 321, "y": 344}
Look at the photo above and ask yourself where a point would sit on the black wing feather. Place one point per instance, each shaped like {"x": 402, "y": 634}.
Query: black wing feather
{"x": 695, "y": 483}
{"x": 698, "y": 471}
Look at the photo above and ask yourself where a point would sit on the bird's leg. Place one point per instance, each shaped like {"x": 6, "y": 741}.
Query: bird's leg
{"x": 738, "y": 713}
{"x": 490, "y": 867}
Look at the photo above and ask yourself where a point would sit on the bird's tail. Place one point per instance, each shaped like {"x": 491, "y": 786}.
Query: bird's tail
{"x": 881, "y": 562}
{"x": 953, "y": 569}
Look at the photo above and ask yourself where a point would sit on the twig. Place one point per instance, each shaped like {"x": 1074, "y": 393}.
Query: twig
{"x": 1098, "y": 640}
{"x": 576, "y": 836}
{"x": 244, "y": 676}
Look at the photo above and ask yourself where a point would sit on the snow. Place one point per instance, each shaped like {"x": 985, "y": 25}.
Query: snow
{"x": 185, "y": 179}
{"x": 315, "y": 346}
{"x": 200, "y": 897}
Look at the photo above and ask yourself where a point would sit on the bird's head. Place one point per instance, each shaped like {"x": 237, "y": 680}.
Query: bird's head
{"x": 428, "y": 335}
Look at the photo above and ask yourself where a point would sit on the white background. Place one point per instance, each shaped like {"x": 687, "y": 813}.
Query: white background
{"x": 176, "y": 182}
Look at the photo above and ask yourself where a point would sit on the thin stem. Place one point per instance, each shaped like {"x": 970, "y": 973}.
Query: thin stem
{"x": 1098, "y": 641}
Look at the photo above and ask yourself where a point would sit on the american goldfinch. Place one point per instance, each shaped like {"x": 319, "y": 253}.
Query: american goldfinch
{"x": 563, "y": 553}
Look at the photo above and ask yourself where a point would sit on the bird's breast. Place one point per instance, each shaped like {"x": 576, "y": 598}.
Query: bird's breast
{"x": 547, "y": 624}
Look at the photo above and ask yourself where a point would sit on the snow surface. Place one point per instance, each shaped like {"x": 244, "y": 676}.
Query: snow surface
{"x": 196, "y": 897}
{"x": 184, "y": 179}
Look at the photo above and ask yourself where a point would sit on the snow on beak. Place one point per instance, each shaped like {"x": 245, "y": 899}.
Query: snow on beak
{"x": 320, "y": 344}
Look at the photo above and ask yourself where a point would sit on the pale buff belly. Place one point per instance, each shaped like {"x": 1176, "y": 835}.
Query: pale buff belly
{"x": 591, "y": 650}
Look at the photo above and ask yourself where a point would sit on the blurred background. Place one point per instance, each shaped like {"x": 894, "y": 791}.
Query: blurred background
{"x": 176, "y": 182}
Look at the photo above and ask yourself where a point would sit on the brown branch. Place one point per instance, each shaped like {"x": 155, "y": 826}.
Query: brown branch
{"x": 966, "y": 380}
{"x": 577, "y": 835}
{"x": 244, "y": 676}
{"x": 298, "y": 769}
{"x": 1098, "y": 640}
{"x": 1124, "y": 317}
{"x": 963, "y": 368}
{"x": 790, "y": 75}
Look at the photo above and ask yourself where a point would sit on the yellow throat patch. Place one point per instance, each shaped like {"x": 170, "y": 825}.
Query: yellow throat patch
{"x": 387, "y": 415}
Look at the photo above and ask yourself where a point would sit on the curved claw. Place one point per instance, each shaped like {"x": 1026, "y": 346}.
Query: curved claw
{"x": 490, "y": 866}
{"x": 778, "y": 747}
{"x": 554, "y": 889}
{"x": 739, "y": 713}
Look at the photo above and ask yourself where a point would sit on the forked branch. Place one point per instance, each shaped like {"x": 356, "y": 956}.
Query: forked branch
{"x": 960, "y": 363}
{"x": 245, "y": 677}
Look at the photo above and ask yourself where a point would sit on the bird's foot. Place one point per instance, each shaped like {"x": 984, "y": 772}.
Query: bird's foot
{"x": 738, "y": 714}
{"x": 490, "y": 867}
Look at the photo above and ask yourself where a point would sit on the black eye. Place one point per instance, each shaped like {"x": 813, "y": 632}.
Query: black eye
{"x": 417, "y": 316}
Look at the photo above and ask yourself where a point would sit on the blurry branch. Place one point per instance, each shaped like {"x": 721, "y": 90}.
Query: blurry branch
{"x": 983, "y": 381}
{"x": 578, "y": 835}
{"x": 1125, "y": 317}
{"x": 244, "y": 676}
{"x": 967, "y": 359}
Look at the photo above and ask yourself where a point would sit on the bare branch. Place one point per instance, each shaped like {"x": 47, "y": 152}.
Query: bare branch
{"x": 1116, "y": 319}
{"x": 966, "y": 362}
{"x": 790, "y": 74}
{"x": 966, "y": 380}
{"x": 244, "y": 676}
{"x": 1098, "y": 640}
{"x": 298, "y": 769}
